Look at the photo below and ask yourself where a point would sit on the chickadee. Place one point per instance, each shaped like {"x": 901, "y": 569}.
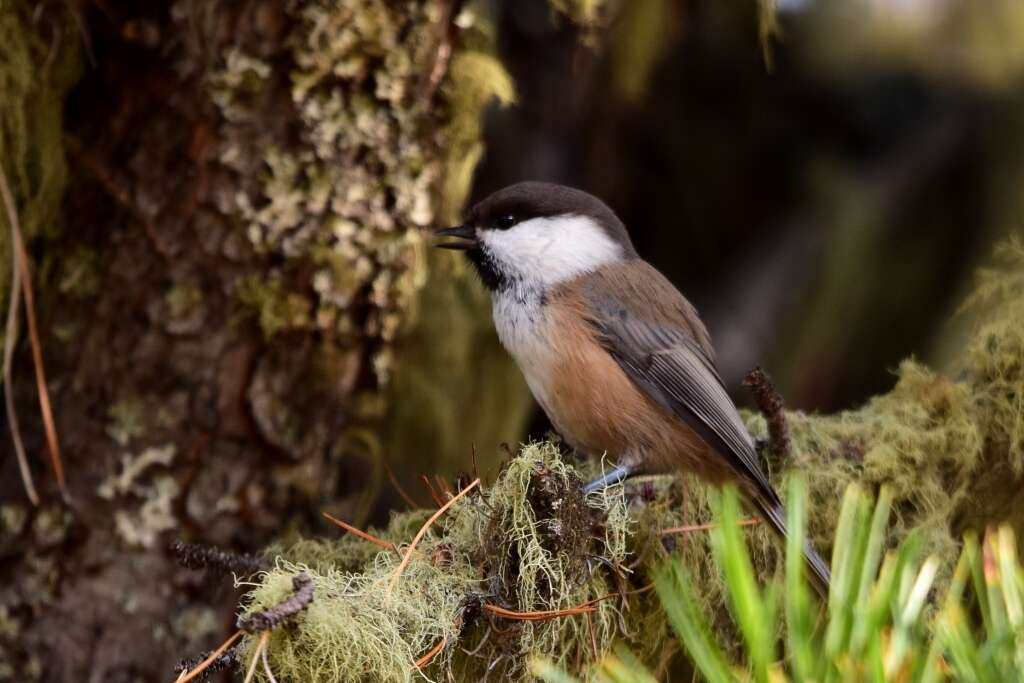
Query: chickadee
{"x": 613, "y": 353}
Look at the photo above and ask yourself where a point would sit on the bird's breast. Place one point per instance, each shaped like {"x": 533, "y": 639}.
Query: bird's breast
{"x": 524, "y": 326}
{"x": 590, "y": 401}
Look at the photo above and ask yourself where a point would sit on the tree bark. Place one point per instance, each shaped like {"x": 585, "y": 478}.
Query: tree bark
{"x": 239, "y": 268}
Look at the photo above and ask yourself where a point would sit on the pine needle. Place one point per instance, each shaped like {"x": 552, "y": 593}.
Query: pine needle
{"x": 260, "y": 648}
{"x": 10, "y": 338}
{"x": 690, "y": 528}
{"x": 266, "y": 667}
{"x": 188, "y": 676}
{"x": 423, "y": 530}
{"x": 21, "y": 261}
{"x": 359, "y": 532}
{"x": 398, "y": 487}
{"x": 429, "y": 657}
{"x": 540, "y": 615}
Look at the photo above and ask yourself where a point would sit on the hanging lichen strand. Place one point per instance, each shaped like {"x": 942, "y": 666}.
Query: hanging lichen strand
{"x": 340, "y": 199}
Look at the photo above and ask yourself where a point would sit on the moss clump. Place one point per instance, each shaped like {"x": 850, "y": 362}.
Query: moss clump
{"x": 529, "y": 542}
{"x": 36, "y": 71}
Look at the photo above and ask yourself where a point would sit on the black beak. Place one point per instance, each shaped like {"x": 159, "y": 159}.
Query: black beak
{"x": 466, "y": 235}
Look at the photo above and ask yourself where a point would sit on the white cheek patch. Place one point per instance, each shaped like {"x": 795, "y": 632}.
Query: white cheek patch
{"x": 547, "y": 251}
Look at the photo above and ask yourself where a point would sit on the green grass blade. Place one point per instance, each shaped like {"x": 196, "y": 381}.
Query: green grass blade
{"x": 623, "y": 667}
{"x": 745, "y": 599}
{"x": 674, "y": 589}
{"x": 973, "y": 553}
{"x": 932, "y": 672}
{"x": 549, "y": 672}
{"x": 851, "y": 536}
{"x": 866, "y": 621}
{"x": 799, "y": 610}
{"x": 903, "y": 634}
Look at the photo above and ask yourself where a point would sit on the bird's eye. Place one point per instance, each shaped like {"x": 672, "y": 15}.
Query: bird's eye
{"x": 505, "y": 221}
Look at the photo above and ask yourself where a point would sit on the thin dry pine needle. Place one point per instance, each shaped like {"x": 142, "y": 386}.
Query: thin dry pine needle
{"x": 189, "y": 675}
{"x": 423, "y": 530}
{"x": 429, "y": 656}
{"x": 21, "y": 266}
{"x": 540, "y": 615}
{"x": 690, "y": 528}
{"x": 398, "y": 487}
{"x": 260, "y": 648}
{"x": 359, "y": 532}
{"x": 430, "y": 489}
{"x": 10, "y": 337}
{"x": 266, "y": 666}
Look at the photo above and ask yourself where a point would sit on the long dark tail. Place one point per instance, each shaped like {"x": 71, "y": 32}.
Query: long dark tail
{"x": 774, "y": 514}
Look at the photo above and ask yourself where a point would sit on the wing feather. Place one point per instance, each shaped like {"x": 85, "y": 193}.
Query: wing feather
{"x": 667, "y": 354}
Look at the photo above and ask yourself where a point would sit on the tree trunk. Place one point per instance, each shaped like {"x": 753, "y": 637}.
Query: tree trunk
{"x": 239, "y": 267}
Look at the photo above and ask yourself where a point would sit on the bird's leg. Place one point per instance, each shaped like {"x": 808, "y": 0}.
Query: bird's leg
{"x": 616, "y": 476}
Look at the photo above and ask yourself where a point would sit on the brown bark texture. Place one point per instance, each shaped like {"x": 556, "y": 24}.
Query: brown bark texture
{"x": 240, "y": 263}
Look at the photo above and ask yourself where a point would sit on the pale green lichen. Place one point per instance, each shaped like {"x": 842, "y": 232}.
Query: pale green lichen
{"x": 345, "y": 194}
{"x": 12, "y": 519}
{"x": 196, "y": 622}
{"x": 132, "y": 468}
{"x": 529, "y": 542}
{"x": 949, "y": 449}
{"x": 142, "y": 526}
{"x": 80, "y": 276}
{"x": 127, "y": 420}
{"x": 36, "y": 71}
{"x": 277, "y": 309}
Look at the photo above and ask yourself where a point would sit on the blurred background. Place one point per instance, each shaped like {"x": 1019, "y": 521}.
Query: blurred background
{"x": 226, "y": 208}
{"x": 821, "y": 183}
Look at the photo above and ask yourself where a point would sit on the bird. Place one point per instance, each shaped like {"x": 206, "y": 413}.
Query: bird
{"x": 614, "y": 354}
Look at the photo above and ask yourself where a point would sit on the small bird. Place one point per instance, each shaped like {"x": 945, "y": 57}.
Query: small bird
{"x": 611, "y": 350}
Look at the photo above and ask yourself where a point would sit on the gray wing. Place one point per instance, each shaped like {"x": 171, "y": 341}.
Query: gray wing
{"x": 669, "y": 358}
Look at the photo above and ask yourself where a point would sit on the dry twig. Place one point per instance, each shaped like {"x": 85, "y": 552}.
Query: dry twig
{"x": 205, "y": 557}
{"x": 769, "y": 402}
{"x": 223, "y": 661}
{"x": 209, "y": 661}
{"x": 302, "y": 585}
{"x": 430, "y": 489}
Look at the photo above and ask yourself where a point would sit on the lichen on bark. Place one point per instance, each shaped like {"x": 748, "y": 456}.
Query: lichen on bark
{"x": 252, "y": 186}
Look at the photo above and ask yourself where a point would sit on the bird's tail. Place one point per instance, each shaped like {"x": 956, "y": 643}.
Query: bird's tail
{"x": 774, "y": 515}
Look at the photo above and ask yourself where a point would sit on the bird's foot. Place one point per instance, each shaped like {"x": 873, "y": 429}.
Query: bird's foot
{"x": 616, "y": 476}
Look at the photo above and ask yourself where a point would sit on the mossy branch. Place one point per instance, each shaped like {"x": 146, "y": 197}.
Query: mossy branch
{"x": 531, "y": 544}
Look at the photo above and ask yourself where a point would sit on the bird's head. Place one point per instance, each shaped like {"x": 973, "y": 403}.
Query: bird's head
{"x": 538, "y": 235}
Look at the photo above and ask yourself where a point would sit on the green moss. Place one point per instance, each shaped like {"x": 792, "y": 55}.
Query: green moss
{"x": 127, "y": 420}
{"x": 530, "y": 542}
{"x": 36, "y": 72}
{"x": 80, "y": 274}
{"x": 276, "y": 308}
